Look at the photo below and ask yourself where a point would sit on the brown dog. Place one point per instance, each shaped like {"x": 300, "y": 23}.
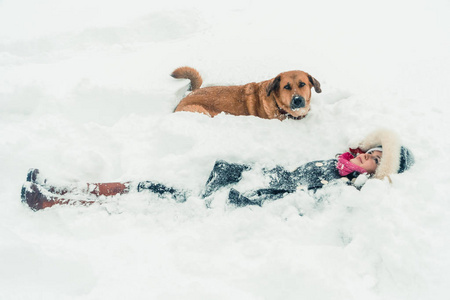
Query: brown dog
{"x": 286, "y": 96}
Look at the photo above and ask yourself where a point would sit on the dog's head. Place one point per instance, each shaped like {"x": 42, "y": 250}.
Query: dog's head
{"x": 292, "y": 93}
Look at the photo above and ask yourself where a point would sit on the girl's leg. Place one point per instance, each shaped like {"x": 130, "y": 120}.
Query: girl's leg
{"x": 162, "y": 190}
{"x": 38, "y": 194}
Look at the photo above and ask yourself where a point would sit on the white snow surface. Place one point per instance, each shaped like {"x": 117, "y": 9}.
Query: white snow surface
{"x": 86, "y": 96}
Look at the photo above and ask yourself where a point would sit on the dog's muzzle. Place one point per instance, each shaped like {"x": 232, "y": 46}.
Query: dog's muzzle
{"x": 297, "y": 102}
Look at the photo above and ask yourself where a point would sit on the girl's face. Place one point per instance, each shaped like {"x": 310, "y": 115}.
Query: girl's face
{"x": 368, "y": 161}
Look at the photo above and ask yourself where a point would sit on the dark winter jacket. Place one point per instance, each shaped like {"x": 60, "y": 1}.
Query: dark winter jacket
{"x": 310, "y": 176}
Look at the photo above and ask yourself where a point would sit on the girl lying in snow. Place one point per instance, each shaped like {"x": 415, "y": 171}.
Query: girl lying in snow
{"x": 378, "y": 155}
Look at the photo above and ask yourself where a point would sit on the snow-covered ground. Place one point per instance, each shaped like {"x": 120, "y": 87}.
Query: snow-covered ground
{"x": 86, "y": 96}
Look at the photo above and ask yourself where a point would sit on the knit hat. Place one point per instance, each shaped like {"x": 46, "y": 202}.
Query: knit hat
{"x": 396, "y": 158}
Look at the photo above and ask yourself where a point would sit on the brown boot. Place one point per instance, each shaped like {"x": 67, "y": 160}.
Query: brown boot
{"x": 97, "y": 189}
{"x": 38, "y": 198}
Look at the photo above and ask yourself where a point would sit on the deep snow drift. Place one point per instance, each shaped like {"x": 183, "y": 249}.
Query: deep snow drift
{"x": 86, "y": 96}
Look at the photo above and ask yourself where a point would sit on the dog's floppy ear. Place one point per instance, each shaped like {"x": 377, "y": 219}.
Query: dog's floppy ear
{"x": 274, "y": 85}
{"x": 315, "y": 83}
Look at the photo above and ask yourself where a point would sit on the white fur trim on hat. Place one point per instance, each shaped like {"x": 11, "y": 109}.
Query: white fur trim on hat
{"x": 390, "y": 142}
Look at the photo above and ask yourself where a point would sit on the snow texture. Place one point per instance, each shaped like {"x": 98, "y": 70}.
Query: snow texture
{"x": 86, "y": 96}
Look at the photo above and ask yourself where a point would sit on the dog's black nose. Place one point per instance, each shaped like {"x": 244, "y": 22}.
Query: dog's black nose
{"x": 297, "y": 102}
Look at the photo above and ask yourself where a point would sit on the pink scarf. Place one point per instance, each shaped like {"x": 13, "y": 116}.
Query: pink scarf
{"x": 345, "y": 167}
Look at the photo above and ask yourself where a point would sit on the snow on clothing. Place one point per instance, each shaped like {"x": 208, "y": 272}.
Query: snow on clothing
{"x": 310, "y": 176}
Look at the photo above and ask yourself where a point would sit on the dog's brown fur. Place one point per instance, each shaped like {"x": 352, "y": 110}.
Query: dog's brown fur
{"x": 270, "y": 99}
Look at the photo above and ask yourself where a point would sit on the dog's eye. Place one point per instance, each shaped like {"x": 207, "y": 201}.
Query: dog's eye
{"x": 287, "y": 86}
{"x": 301, "y": 84}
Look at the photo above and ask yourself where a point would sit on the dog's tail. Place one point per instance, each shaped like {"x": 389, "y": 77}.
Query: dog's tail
{"x": 189, "y": 73}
